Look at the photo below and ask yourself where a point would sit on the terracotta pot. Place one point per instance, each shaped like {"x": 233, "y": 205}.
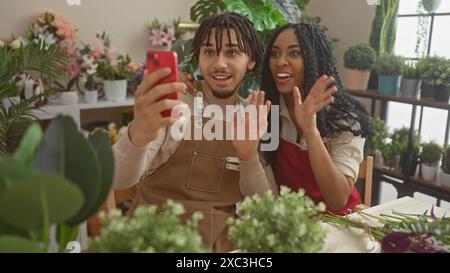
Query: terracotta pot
{"x": 356, "y": 79}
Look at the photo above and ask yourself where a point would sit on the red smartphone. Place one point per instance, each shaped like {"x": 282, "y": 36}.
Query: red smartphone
{"x": 157, "y": 60}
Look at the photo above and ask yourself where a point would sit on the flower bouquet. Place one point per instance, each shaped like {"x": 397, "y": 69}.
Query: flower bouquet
{"x": 401, "y": 232}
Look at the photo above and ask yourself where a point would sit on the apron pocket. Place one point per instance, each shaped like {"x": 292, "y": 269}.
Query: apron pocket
{"x": 206, "y": 172}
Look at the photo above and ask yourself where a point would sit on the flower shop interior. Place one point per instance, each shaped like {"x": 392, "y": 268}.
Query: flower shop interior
{"x": 68, "y": 76}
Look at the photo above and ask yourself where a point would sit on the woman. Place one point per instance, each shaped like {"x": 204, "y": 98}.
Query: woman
{"x": 323, "y": 129}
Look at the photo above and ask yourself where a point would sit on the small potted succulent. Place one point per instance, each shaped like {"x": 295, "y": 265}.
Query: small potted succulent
{"x": 410, "y": 80}
{"x": 445, "y": 175}
{"x": 429, "y": 159}
{"x": 358, "y": 61}
{"x": 389, "y": 68}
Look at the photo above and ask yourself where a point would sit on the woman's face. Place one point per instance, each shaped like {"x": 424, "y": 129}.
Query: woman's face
{"x": 286, "y": 62}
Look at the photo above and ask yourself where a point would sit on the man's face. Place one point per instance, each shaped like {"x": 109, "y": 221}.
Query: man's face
{"x": 224, "y": 71}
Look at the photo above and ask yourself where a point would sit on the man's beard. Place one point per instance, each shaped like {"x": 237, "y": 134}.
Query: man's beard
{"x": 223, "y": 94}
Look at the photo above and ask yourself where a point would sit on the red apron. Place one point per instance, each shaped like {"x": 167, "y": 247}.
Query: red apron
{"x": 294, "y": 171}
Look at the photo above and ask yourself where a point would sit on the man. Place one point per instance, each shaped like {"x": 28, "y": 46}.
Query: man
{"x": 209, "y": 176}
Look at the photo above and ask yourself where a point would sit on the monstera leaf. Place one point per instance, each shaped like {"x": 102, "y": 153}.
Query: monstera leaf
{"x": 204, "y": 8}
{"x": 261, "y": 13}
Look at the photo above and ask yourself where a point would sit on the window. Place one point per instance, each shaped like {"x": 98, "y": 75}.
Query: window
{"x": 411, "y": 21}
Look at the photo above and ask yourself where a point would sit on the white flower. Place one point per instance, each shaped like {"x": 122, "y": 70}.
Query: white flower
{"x": 2, "y": 43}
{"x": 88, "y": 63}
{"x": 16, "y": 43}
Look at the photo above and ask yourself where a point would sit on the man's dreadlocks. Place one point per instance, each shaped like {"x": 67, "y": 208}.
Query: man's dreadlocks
{"x": 247, "y": 37}
{"x": 346, "y": 113}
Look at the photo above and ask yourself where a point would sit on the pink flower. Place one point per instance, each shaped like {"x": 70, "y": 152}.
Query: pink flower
{"x": 156, "y": 36}
{"x": 96, "y": 54}
{"x": 133, "y": 67}
{"x": 65, "y": 29}
{"x": 99, "y": 45}
{"x": 169, "y": 37}
{"x": 112, "y": 55}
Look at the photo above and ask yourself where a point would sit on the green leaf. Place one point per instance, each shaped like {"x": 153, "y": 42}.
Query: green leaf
{"x": 15, "y": 244}
{"x": 66, "y": 151}
{"x": 11, "y": 172}
{"x": 204, "y": 8}
{"x": 102, "y": 144}
{"x": 29, "y": 144}
{"x": 21, "y": 205}
{"x": 261, "y": 13}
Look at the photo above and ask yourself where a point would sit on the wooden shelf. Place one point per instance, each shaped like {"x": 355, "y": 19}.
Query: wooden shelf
{"x": 414, "y": 179}
{"x": 374, "y": 94}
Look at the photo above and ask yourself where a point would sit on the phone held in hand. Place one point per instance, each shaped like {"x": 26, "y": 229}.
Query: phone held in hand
{"x": 157, "y": 60}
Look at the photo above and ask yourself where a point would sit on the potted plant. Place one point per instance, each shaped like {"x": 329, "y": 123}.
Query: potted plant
{"x": 437, "y": 75}
{"x": 445, "y": 175}
{"x": 113, "y": 68}
{"x": 388, "y": 68}
{"x": 429, "y": 159}
{"x": 410, "y": 80}
{"x": 287, "y": 223}
{"x": 358, "y": 61}
{"x": 428, "y": 66}
{"x": 51, "y": 187}
{"x": 149, "y": 231}
{"x": 391, "y": 152}
{"x": 88, "y": 68}
{"x": 375, "y": 141}
{"x": 69, "y": 92}
{"x": 115, "y": 77}
{"x": 402, "y": 135}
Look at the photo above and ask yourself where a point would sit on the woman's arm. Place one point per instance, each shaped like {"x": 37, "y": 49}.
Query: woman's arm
{"x": 334, "y": 186}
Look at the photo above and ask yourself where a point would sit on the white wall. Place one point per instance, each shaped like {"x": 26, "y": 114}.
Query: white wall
{"x": 124, "y": 20}
{"x": 348, "y": 20}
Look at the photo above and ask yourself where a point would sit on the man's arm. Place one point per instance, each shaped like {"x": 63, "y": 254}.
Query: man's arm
{"x": 256, "y": 177}
{"x": 132, "y": 161}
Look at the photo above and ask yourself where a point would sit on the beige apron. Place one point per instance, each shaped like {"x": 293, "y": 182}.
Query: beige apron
{"x": 203, "y": 176}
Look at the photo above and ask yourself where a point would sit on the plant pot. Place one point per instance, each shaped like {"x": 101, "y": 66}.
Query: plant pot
{"x": 409, "y": 87}
{"x": 115, "y": 90}
{"x": 441, "y": 93}
{"x": 356, "y": 79}
{"x": 428, "y": 172}
{"x": 373, "y": 81}
{"x": 389, "y": 85}
{"x": 91, "y": 96}
{"x": 69, "y": 97}
{"x": 431, "y": 5}
{"x": 445, "y": 179}
{"x": 426, "y": 91}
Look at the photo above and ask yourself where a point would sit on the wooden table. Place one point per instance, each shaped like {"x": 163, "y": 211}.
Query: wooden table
{"x": 342, "y": 239}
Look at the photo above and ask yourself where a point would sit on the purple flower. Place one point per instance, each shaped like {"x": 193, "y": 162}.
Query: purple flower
{"x": 400, "y": 242}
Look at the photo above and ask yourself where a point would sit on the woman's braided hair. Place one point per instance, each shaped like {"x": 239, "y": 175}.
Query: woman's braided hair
{"x": 346, "y": 114}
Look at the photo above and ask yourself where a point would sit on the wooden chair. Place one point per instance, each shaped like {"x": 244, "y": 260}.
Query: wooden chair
{"x": 117, "y": 197}
{"x": 365, "y": 175}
